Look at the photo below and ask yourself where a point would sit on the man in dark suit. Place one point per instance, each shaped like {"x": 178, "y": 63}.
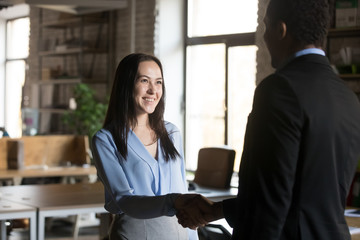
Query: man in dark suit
{"x": 302, "y": 142}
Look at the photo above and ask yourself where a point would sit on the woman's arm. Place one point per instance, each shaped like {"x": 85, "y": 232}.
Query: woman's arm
{"x": 144, "y": 207}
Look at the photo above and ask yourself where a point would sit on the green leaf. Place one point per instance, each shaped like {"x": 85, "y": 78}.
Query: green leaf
{"x": 89, "y": 115}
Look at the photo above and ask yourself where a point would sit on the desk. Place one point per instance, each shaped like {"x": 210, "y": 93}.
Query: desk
{"x": 10, "y": 210}
{"x": 216, "y": 195}
{"x": 17, "y": 175}
{"x": 57, "y": 200}
{"x": 52, "y": 200}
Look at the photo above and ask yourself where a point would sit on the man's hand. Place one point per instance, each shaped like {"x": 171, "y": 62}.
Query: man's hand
{"x": 194, "y": 210}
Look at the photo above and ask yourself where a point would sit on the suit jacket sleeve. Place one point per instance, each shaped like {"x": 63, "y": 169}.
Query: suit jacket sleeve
{"x": 229, "y": 207}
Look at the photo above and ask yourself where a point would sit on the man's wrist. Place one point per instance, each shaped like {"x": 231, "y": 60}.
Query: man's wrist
{"x": 218, "y": 210}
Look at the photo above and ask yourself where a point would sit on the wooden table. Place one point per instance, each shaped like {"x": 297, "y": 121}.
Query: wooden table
{"x": 214, "y": 194}
{"x": 53, "y": 200}
{"x": 74, "y": 171}
{"x": 71, "y": 199}
{"x": 10, "y": 210}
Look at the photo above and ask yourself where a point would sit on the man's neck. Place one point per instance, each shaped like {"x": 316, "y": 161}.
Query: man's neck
{"x": 307, "y": 47}
{"x": 299, "y": 51}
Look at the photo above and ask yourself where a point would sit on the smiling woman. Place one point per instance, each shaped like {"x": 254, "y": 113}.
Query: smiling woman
{"x": 139, "y": 156}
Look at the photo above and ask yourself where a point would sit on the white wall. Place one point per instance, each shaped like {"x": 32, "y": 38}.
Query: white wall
{"x": 169, "y": 49}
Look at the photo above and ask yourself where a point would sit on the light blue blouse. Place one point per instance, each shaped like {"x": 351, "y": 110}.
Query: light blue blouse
{"x": 140, "y": 186}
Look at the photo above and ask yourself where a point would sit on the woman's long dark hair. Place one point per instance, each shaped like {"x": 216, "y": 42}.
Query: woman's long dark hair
{"x": 121, "y": 114}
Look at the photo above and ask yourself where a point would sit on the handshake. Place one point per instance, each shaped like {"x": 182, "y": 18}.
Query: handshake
{"x": 194, "y": 210}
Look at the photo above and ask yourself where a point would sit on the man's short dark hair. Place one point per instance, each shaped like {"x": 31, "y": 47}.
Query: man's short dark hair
{"x": 306, "y": 20}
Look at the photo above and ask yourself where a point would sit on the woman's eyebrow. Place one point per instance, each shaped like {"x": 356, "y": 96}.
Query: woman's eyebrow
{"x": 139, "y": 76}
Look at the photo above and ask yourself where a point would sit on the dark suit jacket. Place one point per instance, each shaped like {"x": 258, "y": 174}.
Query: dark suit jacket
{"x": 302, "y": 145}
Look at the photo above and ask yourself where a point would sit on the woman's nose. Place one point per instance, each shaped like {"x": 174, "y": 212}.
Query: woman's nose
{"x": 151, "y": 88}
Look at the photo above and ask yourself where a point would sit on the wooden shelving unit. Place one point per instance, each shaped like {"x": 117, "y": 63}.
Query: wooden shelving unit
{"x": 352, "y": 80}
{"x": 66, "y": 43}
{"x": 344, "y": 32}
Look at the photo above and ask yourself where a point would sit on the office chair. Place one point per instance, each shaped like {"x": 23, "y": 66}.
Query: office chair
{"x": 215, "y": 167}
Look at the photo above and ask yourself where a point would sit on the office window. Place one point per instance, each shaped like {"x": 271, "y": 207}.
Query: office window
{"x": 205, "y": 96}
{"x": 241, "y": 80}
{"x": 213, "y": 17}
{"x": 220, "y": 74}
{"x": 17, "y": 51}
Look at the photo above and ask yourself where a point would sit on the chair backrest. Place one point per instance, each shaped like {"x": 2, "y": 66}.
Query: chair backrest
{"x": 215, "y": 167}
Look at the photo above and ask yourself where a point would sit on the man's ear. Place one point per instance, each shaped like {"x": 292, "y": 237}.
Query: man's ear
{"x": 282, "y": 30}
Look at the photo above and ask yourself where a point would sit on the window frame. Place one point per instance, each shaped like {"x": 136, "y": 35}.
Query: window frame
{"x": 9, "y": 60}
{"x": 230, "y": 40}
{"x": 8, "y": 14}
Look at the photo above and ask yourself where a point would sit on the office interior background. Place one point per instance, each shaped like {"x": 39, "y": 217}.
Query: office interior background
{"x": 213, "y": 57}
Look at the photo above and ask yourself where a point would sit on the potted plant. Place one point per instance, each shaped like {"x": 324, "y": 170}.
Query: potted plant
{"x": 89, "y": 113}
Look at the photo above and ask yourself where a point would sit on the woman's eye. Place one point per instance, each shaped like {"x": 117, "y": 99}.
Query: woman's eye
{"x": 159, "y": 82}
{"x": 144, "y": 80}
